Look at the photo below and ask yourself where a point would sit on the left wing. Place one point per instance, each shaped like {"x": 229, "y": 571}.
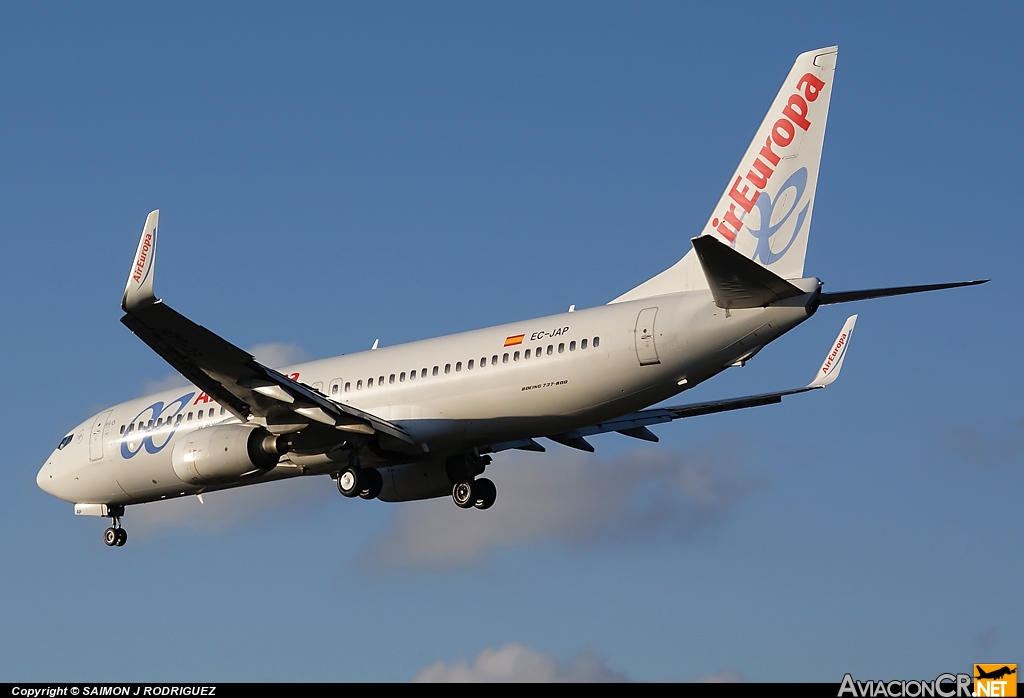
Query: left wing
{"x": 635, "y": 424}
{"x": 248, "y": 389}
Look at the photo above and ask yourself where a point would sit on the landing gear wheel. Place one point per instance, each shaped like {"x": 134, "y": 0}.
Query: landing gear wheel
{"x": 486, "y": 493}
{"x": 350, "y": 482}
{"x": 373, "y": 482}
{"x": 110, "y": 536}
{"x": 464, "y": 494}
{"x": 122, "y": 537}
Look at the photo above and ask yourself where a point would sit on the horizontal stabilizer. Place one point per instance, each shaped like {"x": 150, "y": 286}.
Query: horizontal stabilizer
{"x": 738, "y": 282}
{"x": 848, "y": 296}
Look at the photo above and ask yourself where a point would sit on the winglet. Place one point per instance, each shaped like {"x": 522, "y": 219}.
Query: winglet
{"x": 833, "y": 363}
{"x": 139, "y": 290}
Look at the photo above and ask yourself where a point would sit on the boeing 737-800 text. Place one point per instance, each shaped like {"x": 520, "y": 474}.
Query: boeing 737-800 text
{"x": 423, "y": 420}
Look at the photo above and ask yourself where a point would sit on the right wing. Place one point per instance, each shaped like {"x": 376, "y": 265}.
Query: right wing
{"x": 635, "y": 424}
{"x": 246, "y": 388}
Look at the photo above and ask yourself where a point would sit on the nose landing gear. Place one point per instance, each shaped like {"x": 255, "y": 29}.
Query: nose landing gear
{"x": 115, "y": 535}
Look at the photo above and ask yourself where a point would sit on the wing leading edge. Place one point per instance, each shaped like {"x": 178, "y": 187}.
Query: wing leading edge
{"x": 231, "y": 376}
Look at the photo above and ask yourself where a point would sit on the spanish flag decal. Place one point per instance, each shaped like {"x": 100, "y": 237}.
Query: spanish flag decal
{"x": 514, "y": 340}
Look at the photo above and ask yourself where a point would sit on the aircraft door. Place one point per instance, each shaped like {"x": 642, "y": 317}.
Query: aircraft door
{"x": 646, "y": 351}
{"x": 334, "y": 392}
{"x": 96, "y": 436}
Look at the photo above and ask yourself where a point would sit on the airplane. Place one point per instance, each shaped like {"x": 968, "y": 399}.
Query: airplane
{"x": 424, "y": 419}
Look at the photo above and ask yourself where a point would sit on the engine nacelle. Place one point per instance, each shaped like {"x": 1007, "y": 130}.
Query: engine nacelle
{"x": 225, "y": 453}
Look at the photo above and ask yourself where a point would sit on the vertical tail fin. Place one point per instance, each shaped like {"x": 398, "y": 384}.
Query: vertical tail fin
{"x": 765, "y": 211}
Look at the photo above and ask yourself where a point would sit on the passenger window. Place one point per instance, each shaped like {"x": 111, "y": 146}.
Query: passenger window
{"x": 348, "y": 386}
{"x": 150, "y": 424}
{"x": 504, "y": 358}
{"x": 159, "y": 422}
{"x": 369, "y": 383}
{"x": 423, "y": 373}
{"x": 380, "y": 381}
{"x": 469, "y": 366}
{"x": 526, "y": 354}
{"x": 494, "y": 359}
{"x": 483, "y": 361}
{"x": 189, "y": 417}
{"x": 515, "y": 357}
{"x": 447, "y": 368}
{"x": 359, "y": 385}
{"x": 401, "y": 378}
{"x": 334, "y": 389}
{"x": 122, "y": 430}
{"x": 434, "y": 372}
{"x": 572, "y": 345}
{"x": 458, "y": 366}
{"x": 222, "y": 410}
{"x": 178, "y": 419}
{"x": 551, "y": 349}
{"x": 412, "y": 375}
{"x": 597, "y": 342}
{"x": 583, "y": 344}
{"x": 391, "y": 378}
{"x": 211, "y": 413}
{"x": 561, "y": 347}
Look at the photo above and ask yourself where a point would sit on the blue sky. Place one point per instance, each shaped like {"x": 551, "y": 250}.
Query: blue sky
{"x": 332, "y": 173}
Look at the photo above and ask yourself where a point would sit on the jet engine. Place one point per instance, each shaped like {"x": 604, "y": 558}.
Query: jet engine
{"x": 225, "y": 453}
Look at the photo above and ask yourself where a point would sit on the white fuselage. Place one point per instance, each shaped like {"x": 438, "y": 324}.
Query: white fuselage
{"x": 451, "y": 394}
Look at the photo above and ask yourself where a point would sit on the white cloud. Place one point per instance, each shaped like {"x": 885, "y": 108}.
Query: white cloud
{"x": 516, "y": 663}
{"x": 274, "y": 355}
{"x": 174, "y": 380}
{"x": 278, "y": 354}
{"x": 996, "y": 447}
{"x": 726, "y": 676}
{"x": 574, "y": 498}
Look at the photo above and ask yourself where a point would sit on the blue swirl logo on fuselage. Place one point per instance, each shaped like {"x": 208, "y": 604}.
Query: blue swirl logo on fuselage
{"x": 147, "y": 436}
{"x": 766, "y": 207}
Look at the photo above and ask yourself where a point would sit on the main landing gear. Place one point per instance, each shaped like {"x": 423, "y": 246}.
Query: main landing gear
{"x": 115, "y": 535}
{"x": 354, "y": 481}
{"x": 469, "y": 490}
{"x": 479, "y": 493}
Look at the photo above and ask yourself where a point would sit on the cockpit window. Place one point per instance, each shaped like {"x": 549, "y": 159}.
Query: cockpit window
{"x": 65, "y": 441}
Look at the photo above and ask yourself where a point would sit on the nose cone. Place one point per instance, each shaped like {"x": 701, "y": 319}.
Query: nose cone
{"x": 52, "y": 478}
{"x": 45, "y": 477}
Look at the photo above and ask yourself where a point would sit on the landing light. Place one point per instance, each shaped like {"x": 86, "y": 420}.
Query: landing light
{"x": 681, "y": 381}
